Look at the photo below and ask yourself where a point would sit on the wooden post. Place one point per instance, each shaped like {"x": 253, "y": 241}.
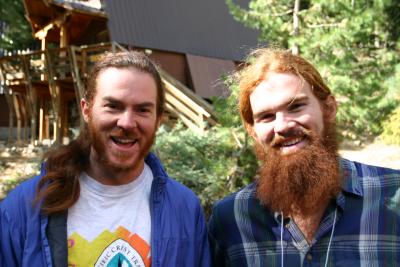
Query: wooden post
{"x": 18, "y": 116}
{"x": 296, "y": 9}
{"x": 24, "y": 117}
{"x": 46, "y": 123}
{"x": 77, "y": 80}
{"x": 10, "y": 103}
{"x": 63, "y": 35}
{"x": 41, "y": 120}
{"x": 55, "y": 98}
{"x": 64, "y": 122}
{"x": 31, "y": 98}
{"x": 11, "y": 113}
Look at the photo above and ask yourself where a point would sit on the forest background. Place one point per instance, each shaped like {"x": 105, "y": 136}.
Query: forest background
{"x": 354, "y": 44}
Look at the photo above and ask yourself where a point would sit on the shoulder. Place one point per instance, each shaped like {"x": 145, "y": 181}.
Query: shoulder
{"x": 168, "y": 186}
{"x": 24, "y": 192}
{"x": 364, "y": 179}
{"x": 18, "y": 206}
{"x": 239, "y": 198}
{"x": 365, "y": 170}
{"x": 365, "y": 173}
{"x": 240, "y": 202}
{"x": 179, "y": 190}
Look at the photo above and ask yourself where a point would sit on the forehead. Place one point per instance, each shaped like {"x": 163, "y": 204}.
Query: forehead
{"x": 125, "y": 83}
{"x": 279, "y": 89}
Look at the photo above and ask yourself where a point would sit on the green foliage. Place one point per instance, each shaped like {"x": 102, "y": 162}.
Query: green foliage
{"x": 354, "y": 44}
{"x": 391, "y": 132}
{"x": 9, "y": 185}
{"x": 19, "y": 175}
{"x": 227, "y": 109}
{"x": 17, "y": 33}
{"x": 212, "y": 163}
{"x": 215, "y": 162}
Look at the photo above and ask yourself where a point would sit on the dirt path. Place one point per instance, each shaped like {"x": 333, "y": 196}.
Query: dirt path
{"x": 374, "y": 154}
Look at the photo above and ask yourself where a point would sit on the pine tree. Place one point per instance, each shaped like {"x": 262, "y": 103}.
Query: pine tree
{"x": 15, "y": 31}
{"x": 354, "y": 44}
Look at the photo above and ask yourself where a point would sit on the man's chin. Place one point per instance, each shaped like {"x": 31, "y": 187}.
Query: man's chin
{"x": 123, "y": 163}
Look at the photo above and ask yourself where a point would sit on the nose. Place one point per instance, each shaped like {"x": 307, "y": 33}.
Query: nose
{"x": 127, "y": 120}
{"x": 283, "y": 123}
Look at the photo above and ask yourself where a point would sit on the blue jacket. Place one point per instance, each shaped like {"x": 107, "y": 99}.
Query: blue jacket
{"x": 178, "y": 230}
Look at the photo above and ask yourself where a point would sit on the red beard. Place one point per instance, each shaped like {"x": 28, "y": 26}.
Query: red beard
{"x": 297, "y": 183}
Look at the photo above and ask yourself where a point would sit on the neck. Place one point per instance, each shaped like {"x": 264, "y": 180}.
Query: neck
{"x": 309, "y": 223}
{"x": 109, "y": 175}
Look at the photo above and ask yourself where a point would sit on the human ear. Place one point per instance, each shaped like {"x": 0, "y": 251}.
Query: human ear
{"x": 85, "y": 109}
{"x": 250, "y": 131}
{"x": 159, "y": 120}
{"x": 330, "y": 108}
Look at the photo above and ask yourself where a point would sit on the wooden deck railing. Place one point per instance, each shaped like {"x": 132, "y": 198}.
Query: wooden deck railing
{"x": 72, "y": 64}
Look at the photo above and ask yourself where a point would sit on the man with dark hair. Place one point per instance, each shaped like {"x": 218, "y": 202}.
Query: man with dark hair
{"x": 308, "y": 207}
{"x": 104, "y": 199}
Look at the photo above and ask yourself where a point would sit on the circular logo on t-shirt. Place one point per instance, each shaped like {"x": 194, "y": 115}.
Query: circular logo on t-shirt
{"x": 120, "y": 253}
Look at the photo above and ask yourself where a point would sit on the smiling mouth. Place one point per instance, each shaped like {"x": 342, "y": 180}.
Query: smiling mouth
{"x": 123, "y": 141}
{"x": 291, "y": 142}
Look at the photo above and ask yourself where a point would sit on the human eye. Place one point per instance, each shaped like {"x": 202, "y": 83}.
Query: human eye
{"x": 144, "y": 109}
{"x": 266, "y": 117}
{"x": 111, "y": 106}
{"x": 295, "y": 107}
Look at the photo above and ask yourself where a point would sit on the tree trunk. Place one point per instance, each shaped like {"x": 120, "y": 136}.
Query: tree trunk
{"x": 295, "y": 48}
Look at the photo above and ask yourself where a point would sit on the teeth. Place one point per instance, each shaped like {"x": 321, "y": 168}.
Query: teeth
{"x": 123, "y": 141}
{"x": 292, "y": 142}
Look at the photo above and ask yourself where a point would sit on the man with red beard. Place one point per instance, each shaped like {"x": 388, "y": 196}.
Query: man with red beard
{"x": 308, "y": 206}
{"x": 104, "y": 199}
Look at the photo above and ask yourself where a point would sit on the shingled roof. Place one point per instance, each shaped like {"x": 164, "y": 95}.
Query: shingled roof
{"x": 202, "y": 28}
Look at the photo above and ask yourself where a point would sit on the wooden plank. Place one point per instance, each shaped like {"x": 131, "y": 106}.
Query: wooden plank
{"x": 179, "y": 106}
{"x": 18, "y": 117}
{"x": 189, "y": 123}
{"x": 185, "y": 99}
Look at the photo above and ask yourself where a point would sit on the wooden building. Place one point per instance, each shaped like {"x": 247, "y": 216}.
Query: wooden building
{"x": 194, "y": 43}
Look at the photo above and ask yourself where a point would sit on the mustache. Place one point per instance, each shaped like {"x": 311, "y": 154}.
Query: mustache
{"x": 122, "y": 133}
{"x": 291, "y": 133}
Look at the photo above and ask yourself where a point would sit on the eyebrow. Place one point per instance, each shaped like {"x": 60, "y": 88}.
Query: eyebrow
{"x": 110, "y": 99}
{"x": 295, "y": 100}
{"x": 287, "y": 104}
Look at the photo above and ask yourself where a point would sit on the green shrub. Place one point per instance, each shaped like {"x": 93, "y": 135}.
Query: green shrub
{"x": 391, "y": 128}
{"x": 10, "y": 184}
{"x": 212, "y": 163}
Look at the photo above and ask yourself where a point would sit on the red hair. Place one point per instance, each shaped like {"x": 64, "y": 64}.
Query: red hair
{"x": 263, "y": 61}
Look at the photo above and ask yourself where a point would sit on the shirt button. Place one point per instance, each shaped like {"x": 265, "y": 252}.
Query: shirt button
{"x": 309, "y": 257}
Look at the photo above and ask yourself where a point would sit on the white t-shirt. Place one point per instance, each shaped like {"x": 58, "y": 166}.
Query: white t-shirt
{"x": 111, "y": 225}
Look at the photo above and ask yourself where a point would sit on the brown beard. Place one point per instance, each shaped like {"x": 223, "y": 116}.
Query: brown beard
{"x": 99, "y": 147}
{"x": 297, "y": 183}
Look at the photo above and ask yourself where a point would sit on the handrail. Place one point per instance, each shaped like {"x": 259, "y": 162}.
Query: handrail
{"x": 74, "y": 63}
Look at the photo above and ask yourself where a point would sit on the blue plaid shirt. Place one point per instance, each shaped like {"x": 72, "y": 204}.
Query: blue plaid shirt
{"x": 367, "y": 230}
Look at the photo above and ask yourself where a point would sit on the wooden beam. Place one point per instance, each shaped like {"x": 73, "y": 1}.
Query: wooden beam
{"x": 55, "y": 96}
{"x": 41, "y": 120}
{"x": 31, "y": 98}
{"x": 41, "y": 34}
{"x": 18, "y": 117}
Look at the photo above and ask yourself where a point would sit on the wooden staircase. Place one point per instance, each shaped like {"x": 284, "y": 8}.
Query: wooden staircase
{"x": 57, "y": 76}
